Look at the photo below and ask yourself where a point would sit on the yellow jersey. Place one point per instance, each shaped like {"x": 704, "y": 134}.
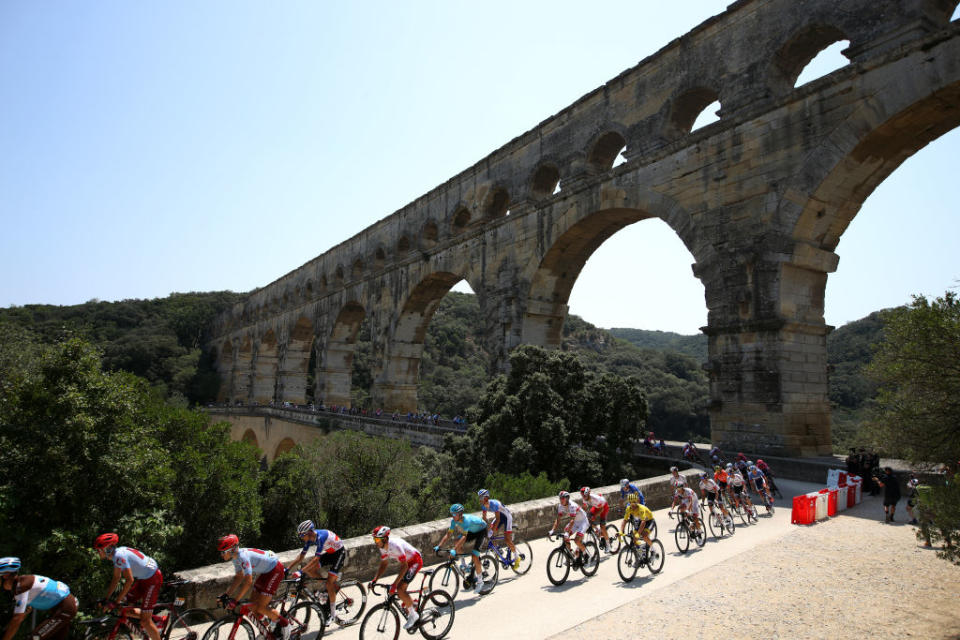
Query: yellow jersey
{"x": 638, "y": 511}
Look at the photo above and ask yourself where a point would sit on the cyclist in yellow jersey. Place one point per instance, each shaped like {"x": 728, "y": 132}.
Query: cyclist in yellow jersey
{"x": 641, "y": 516}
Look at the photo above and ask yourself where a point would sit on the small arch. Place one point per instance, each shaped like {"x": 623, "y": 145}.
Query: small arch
{"x": 308, "y": 288}
{"x": 357, "y": 271}
{"x": 688, "y": 108}
{"x": 250, "y": 438}
{"x": 323, "y": 282}
{"x": 460, "y": 220}
{"x": 285, "y": 445}
{"x": 338, "y": 275}
{"x": 496, "y": 204}
{"x": 379, "y": 258}
{"x": 605, "y": 151}
{"x": 403, "y": 245}
{"x": 545, "y": 182}
{"x": 430, "y": 234}
{"x": 286, "y": 299}
{"x": 806, "y": 45}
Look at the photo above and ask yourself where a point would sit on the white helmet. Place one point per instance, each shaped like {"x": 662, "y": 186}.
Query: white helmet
{"x": 305, "y": 527}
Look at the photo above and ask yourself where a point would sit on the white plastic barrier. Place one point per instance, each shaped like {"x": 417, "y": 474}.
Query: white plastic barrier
{"x": 823, "y": 500}
{"x": 833, "y": 477}
{"x": 858, "y": 487}
{"x": 841, "y": 499}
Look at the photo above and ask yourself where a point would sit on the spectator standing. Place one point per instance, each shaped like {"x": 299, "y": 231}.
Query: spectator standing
{"x": 891, "y": 492}
{"x": 853, "y": 463}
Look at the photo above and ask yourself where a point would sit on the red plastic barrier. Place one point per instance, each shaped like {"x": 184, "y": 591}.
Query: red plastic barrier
{"x": 851, "y": 495}
{"x": 832, "y": 505}
{"x": 804, "y": 509}
{"x": 843, "y": 479}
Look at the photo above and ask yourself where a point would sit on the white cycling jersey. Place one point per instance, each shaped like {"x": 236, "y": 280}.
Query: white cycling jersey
{"x": 678, "y": 481}
{"x": 399, "y": 549}
{"x": 595, "y": 500}
{"x": 573, "y": 510}
{"x": 709, "y": 485}
{"x": 736, "y": 479}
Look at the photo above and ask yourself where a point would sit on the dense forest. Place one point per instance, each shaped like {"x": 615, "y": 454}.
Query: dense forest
{"x": 161, "y": 340}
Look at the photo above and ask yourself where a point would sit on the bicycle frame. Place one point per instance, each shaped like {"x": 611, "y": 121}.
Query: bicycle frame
{"x": 504, "y": 553}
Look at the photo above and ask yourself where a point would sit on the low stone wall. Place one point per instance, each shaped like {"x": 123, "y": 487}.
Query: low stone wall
{"x": 532, "y": 519}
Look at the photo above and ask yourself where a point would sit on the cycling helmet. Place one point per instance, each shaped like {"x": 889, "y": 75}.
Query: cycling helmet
{"x": 752, "y": 467}
{"x": 106, "y": 540}
{"x": 624, "y": 483}
{"x": 228, "y": 542}
{"x": 761, "y": 463}
{"x": 716, "y": 467}
{"x": 381, "y": 532}
{"x": 305, "y": 527}
{"x": 632, "y": 497}
{"x": 703, "y": 476}
{"x": 584, "y": 491}
{"x": 483, "y": 493}
{"x": 729, "y": 465}
{"x": 672, "y": 469}
{"x": 749, "y": 463}
{"x": 456, "y": 508}
{"x": 564, "y": 494}
{"x": 9, "y": 565}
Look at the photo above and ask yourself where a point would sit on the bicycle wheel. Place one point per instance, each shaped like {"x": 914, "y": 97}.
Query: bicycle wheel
{"x": 351, "y": 603}
{"x": 770, "y": 508}
{"x": 382, "y": 621}
{"x": 714, "y": 523}
{"x": 445, "y": 577}
{"x": 741, "y": 512}
{"x": 699, "y": 534}
{"x": 681, "y": 535}
{"x": 196, "y": 621}
{"x": 655, "y": 556}
{"x": 613, "y": 533}
{"x": 525, "y": 553}
{"x": 436, "y": 614}
{"x": 652, "y": 529}
{"x": 591, "y": 562}
{"x": 309, "y": 619}
{"x": 490, "y": 570}
{"x": 627, "y": 562}
{"x": 751, "y": 514}
{"x": 728, "y": 523}
{"x": 223, "y": 629}
{"x": 558, "y": 568}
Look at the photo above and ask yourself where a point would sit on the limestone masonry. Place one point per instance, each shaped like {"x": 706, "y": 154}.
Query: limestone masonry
{"x": 760, "y": 198}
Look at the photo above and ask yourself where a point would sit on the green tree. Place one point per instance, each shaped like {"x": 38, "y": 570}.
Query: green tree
{"x": 917, "y": 412}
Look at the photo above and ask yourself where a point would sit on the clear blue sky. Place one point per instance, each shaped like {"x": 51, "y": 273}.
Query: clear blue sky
{"x": 194, "y": 146}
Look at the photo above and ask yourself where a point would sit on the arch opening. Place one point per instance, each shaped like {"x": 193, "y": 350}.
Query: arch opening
{"x": 379, "y": 258}
{"x": 403, "y": 245}
{"x": 430, "y": 235}
{"x": 225, "y": 369}
{"x": 574, "y": 302}
{"x": 606, "y": 152}
{"x": 693, "y": 109}
{"x": 545, "y": 182}
{"x": 250, "y": 438}
{"x": 334, "y": 377}
{"x": 496, "y": 205}
{"x": 956, "y": 14}
{"x": 460, "y": 220}
{"x": 828, "y": 60}
{"x": 356, "y": 272}
{"x": 285, "y": 446}
{"x": 295, "y": 370}
{"x": 265, "y": 378}
{"x": 411, "y": 381}
{"x": 242, "y": 373}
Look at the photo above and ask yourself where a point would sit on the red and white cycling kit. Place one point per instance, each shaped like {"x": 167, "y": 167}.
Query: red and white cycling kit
{"x": 402, "y": 551}
{"x": 579, "y": 525}
{"x": 599, "y": 508}
{"x": 688, "y": 499}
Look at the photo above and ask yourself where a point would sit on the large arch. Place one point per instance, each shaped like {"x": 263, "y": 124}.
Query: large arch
{"x": 336, "y": 366}
{"x": 396, "y": 387}
{"x": 242, "y": 372}
{"x": 265, "y": 369}
{"x": 225, "y": 370}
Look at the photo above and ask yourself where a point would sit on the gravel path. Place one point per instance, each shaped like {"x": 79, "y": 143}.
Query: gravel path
{"x": 848, "y": 576}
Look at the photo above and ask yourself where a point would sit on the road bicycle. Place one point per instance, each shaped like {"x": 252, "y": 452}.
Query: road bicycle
{"x": 351, "y": 597}
{"x": 307, "y": 621}
{"x": 173, "y": 623}
{"x": 562, "y": 559}
{"x": 458, "y": 568}
{"x": 613, "y": 533}
{"x": 435, "y": 606}
{"x": 686, "y": 530}
{"x": 519, "y": 562}
{"x": 634, "y": 555}
{"x": 720, "y": 523}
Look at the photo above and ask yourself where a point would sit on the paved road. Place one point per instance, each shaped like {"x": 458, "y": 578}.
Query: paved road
{"x": 530, "y": 607}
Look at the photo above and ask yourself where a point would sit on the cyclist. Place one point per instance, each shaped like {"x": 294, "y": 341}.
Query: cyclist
{"x": 141, "y": 579}
{"x": 689, "y": 504}
{"x": 627, "y": 488}
{"x": 577, "y": 526}
{"x": 677, "y": 481}
{"x": 640, "y": 516}
{"x": 710, "y": 490}
{"x": 691, "y": 453}
{"x": 41, "y": 594}
{"x": 468, "y": 528}
{"x": 721, "y": 478}
{"x": 755, "y": 478}
{"x": 716, "y": 455}
{"x": 269, "y": 571}
{"x": 410, "y": 563}
{"x": 502, "y": 519}
{"x": 599, "y": 508}
{"x": 767, "y": 474}
{"x": 328, "y": 559}
{"x": 737, "y": 483}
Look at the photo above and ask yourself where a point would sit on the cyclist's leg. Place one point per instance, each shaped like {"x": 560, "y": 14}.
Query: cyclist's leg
{"x": 264, "y": 589}
{"x": 147, "y": 591}
{"x": 57, "y": 626}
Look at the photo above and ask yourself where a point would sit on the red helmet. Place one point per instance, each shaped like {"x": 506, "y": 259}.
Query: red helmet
{"x": 227, "y": 542}
{"x": 105, "y": 540}
{"x": 584, "y": 491}
{"x": 381, "y": 532}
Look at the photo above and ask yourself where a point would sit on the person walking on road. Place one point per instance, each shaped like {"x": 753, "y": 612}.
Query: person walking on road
{"x": 891, "y": 492}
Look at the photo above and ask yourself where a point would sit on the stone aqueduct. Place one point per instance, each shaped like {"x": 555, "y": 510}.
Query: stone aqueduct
{"x": 760, "y": 198}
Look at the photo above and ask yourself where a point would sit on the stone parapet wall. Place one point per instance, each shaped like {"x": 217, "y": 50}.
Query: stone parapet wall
{"x": 532, "y": 519}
